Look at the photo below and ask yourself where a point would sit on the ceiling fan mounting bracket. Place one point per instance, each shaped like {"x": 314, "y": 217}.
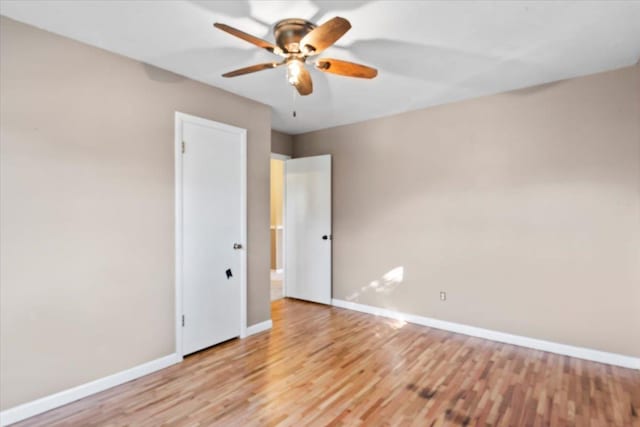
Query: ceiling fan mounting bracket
{"x": 289, "y": 32}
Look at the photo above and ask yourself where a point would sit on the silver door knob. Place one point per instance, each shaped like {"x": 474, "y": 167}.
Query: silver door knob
{"x": 237, "y": 246}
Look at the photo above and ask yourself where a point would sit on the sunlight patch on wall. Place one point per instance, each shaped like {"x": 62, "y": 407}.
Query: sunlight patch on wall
{"x": 386, "y": 284}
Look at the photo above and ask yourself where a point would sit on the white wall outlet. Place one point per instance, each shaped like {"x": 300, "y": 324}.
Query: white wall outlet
{"x": 443, "y": 296}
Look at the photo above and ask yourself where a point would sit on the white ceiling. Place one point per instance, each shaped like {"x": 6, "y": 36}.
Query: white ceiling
{"x": 427, "y": 53}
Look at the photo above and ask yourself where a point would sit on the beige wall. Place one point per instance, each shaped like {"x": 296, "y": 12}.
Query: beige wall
{"x": 281, "y": 143}
{"x": 524, "y": 207}
{"x": 87, "y": 219}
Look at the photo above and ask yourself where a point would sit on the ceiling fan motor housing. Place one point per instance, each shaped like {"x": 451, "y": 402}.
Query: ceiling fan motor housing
{"x": 289, "y": 32}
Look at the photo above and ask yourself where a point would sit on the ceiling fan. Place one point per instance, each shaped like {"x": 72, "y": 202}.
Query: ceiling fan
{"x": 297, "y": 40}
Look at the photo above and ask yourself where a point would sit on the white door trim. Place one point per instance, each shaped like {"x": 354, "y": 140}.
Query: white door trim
{"x": 242, "y": 133}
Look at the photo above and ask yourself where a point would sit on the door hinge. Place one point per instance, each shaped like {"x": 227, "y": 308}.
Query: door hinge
{"x": 184, "y": 147}
{"x": 183, "y": 320}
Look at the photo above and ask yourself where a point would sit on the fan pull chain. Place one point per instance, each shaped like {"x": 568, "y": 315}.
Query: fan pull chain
{"x": 294, "y": 103}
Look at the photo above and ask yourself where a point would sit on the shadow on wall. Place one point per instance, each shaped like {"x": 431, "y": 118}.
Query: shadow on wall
{"x": 385, "y": 285}
{"x": 163, "y": 76}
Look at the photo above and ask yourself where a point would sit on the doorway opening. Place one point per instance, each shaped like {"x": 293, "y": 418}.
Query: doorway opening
{"x": 277, "y": 226}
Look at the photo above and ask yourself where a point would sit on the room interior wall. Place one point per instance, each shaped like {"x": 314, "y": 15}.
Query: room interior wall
{"x": 87, "y": 209}
{"x": 524, "y": 207}
{"x": 277, "y": 199}
{"x": 277, "y": 187}
{"x": 281, "y": 143}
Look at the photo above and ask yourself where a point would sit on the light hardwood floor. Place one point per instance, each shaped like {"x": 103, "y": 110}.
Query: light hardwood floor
{"x": 329, "y": 366}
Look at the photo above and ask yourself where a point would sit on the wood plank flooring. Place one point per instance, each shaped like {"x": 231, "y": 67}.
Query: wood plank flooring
{"x": 328, "y": 366}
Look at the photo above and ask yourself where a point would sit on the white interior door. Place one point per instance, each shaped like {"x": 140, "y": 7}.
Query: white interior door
{"x": 213, "y": 215}
{"x": 308, "y": 228}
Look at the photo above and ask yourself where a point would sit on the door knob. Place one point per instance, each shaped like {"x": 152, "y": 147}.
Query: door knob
{"x": 237, "y": 246}
{"x": 325, "y": 237}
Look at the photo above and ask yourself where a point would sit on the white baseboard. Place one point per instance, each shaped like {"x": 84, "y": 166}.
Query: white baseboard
{"x": 259, "y": 327}
{"x": 552, "y": 347}
{"x": 47, "y": 403}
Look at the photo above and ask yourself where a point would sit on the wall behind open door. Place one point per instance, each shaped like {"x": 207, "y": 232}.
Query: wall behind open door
{"x": 277, "y": 211}
{"x": 308, "y": 228}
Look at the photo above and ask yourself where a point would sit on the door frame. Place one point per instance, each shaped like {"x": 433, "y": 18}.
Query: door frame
{"x": 284, "y": 158}
{"x": 180, "y": 118}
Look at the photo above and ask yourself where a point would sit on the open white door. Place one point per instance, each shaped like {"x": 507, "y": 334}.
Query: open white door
{"x": 307, "y": 261}
{"x": 211, "y": 219}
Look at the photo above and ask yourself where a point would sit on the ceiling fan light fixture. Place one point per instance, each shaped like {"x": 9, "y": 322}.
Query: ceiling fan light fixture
{"x": 294, "y": 68}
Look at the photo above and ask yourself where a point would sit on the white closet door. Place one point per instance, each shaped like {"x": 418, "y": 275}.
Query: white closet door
{"x": 211, "y": 225}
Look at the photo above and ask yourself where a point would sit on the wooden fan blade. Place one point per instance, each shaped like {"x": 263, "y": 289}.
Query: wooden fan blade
{"x": 324, "y": 36}
{"x": 345, "y": 68}
{"x": 304, "y": 84}
{"x": 249, "y": 38}
{"x": 252, "y": 69}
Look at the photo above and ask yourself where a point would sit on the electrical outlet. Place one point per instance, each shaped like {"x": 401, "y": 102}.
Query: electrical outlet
{"x": 443, "y": 296}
